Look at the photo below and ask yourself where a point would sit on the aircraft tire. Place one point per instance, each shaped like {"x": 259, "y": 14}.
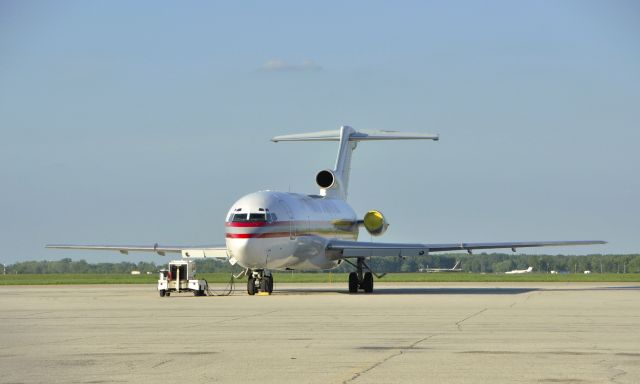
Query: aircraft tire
{"x": 270, "y": 284}
{"x": 251, "y": 286}
{"x": 162, "y": 292}
{"x": 353, "y": 282}
{"x": 367, "y": 282}
{"x": 264, "y": 284}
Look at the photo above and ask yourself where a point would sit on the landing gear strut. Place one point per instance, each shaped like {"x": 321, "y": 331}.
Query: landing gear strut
{"x": 360, "y": 280}
{"x": 259, "y": 280}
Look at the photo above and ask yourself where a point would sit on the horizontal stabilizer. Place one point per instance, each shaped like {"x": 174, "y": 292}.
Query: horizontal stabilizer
{"x": 334, "y": 135}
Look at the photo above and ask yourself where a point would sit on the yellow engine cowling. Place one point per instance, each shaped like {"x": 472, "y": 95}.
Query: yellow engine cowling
{"x": 375, "y": 223}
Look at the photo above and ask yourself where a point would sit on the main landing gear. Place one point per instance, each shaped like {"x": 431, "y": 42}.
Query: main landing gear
{"x": 359, "y": 280}
{"x": 259, "y": 280}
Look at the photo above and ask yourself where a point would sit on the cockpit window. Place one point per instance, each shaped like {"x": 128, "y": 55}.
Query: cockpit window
{"x": 257, "y": 217}
{"x": 239, "y": 217}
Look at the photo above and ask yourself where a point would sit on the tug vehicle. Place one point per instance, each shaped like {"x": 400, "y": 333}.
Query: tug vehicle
{"x": 181, "y": 277}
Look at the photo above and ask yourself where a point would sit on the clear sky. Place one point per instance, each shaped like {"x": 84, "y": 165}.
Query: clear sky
{"x": 140, "y": 122}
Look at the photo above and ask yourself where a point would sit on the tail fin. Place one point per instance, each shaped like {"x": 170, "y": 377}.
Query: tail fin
{"x": 349, "y": 138}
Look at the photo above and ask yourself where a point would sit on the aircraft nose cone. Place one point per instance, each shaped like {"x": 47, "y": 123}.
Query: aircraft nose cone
{"x": 247, "y": 252}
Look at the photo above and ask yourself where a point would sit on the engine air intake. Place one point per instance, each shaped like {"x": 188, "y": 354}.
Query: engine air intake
{"x": 375, "y": 223}
{"x": 325, "y": 179}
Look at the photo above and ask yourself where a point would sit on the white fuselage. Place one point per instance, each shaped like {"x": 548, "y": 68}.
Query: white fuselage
{"x": 278, "y": 230}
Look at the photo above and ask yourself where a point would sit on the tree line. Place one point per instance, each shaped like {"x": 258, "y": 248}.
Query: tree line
{"x": 477, "y": 263}
{"x": 503, "y": 262}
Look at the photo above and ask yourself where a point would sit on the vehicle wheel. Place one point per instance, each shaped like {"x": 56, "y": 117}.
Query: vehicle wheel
{"x": 251, "y": 286}
{"x": 162, "y": 292}
{"x": 353, "y": 282}
{"x": 270, "y": 288}
{"x": 367, "y": 283}
{"x": 264, "y": 284}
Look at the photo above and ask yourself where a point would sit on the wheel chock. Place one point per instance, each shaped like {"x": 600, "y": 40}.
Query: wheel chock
{"x": 263, "y": 294}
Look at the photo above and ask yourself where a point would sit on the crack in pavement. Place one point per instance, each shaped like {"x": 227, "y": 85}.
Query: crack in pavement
{"x": 458, "y": 324}
{"x": 618, "y": 372}
{"x": 379, "y": 363}
{"x": 163, "y": 362}
{"x": 526, "y": 298}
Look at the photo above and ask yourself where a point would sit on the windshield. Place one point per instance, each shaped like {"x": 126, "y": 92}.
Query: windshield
{"x": 239, "y": 217}
{"x": 257, "y": 217}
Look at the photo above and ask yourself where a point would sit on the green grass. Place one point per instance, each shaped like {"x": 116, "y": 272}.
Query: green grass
{"x": 460, "y": 277}
{"x": 285, "y": 277}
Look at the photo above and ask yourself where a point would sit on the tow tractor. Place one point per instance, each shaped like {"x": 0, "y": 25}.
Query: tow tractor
{"x": 181, "y": 277}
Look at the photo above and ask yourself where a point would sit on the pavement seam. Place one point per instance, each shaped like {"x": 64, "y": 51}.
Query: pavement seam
{"x": 379, "y": 363}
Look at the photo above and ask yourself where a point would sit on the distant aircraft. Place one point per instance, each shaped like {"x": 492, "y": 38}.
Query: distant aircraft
{"x": 517, "y": 271}
{"x": 454, "y": 269}
{"x": 269, "y": 230}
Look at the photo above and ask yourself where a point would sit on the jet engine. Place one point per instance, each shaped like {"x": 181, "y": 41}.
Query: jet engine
{"x": 325, "y": 179}
{"x": 375, "y": 223}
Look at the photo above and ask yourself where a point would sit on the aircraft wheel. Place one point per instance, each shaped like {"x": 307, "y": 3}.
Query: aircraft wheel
{"x": 264, "y": 284}
{"x": 353, "y": 282}
{"x": 162, "y": 292}
{"x": 251, "y": 286}
{"x": 367, "y": 282}
{"x": 168, "y": 294}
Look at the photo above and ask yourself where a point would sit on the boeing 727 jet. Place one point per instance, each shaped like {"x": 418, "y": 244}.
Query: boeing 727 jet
{"x": 267, "y": 230}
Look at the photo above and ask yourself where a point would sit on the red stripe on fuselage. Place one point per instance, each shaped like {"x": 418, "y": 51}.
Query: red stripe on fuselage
{"x": 257, "y": 235}
{"x": 253, "y": 224}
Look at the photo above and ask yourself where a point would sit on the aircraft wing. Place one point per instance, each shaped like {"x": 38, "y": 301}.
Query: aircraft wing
{"x": 348, "y": 249}
{"x": 196, "y": 252}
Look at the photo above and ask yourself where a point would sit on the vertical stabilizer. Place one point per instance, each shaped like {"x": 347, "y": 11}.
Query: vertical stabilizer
{"x": 343, "y": 165}
{"x": 334, "y": 183}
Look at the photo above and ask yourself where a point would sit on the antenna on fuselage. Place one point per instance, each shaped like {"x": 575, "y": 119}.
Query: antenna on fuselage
{"x": 334, "y": 183}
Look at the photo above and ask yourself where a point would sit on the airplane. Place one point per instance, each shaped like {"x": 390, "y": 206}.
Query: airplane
{"x": 518, "y": 271}
{"x": 454, "y": 269}
{"x": 268, "y": 230}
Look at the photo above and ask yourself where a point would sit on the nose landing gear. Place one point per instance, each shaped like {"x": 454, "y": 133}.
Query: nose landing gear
{"x": 259, "y": 280}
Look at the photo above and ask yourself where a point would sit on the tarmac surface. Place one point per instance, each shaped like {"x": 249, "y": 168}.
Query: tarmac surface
{"x": 318, "y": 333}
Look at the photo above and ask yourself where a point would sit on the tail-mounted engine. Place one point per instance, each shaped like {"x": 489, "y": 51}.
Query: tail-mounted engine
{"x": 326, "y": 179}
{"x": 375, "y": 223}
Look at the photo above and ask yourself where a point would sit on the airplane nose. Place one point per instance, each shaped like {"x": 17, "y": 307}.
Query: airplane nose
{"x": 247, "y": 252}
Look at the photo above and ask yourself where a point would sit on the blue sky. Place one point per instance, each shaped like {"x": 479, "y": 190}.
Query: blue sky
{"x": 143, "y": 122}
